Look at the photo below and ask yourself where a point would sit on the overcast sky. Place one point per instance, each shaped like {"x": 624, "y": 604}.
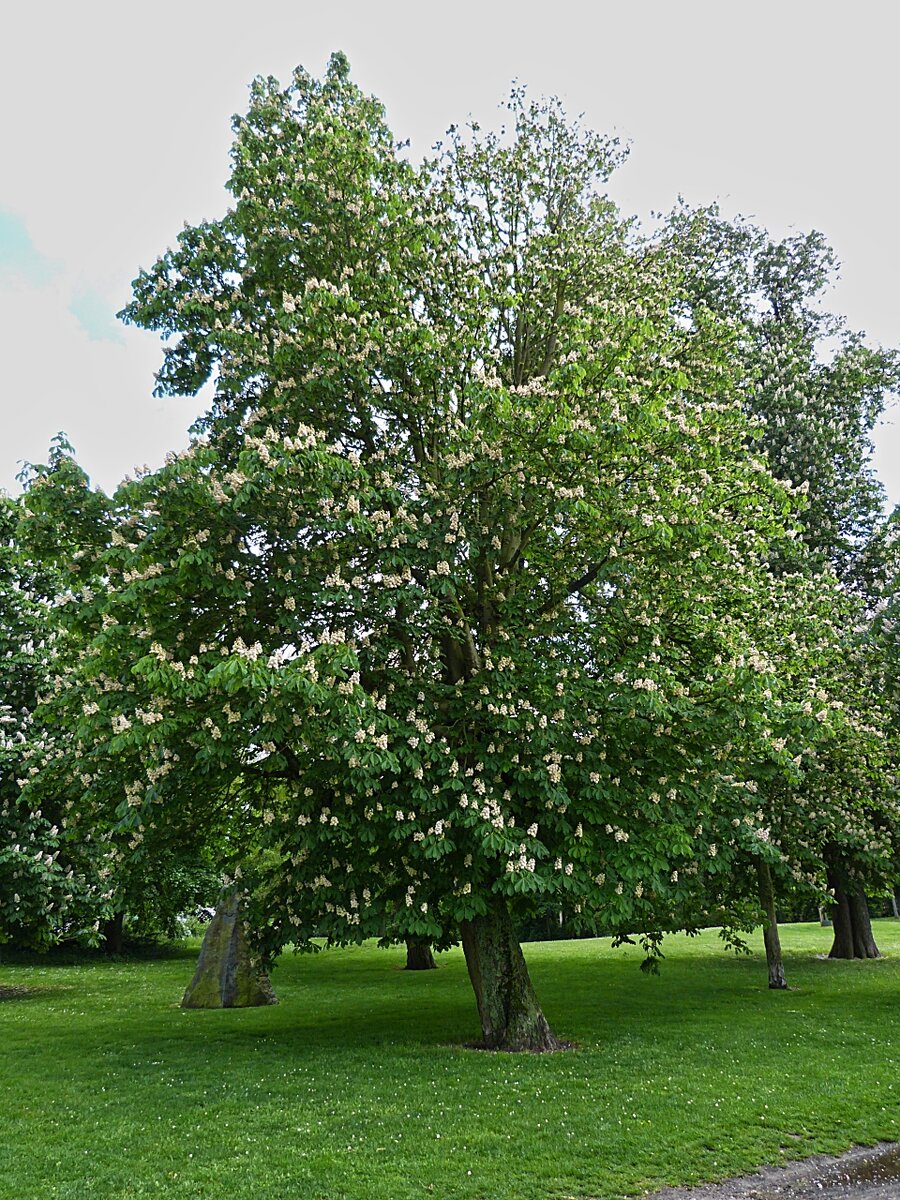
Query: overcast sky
{"x": 116, "y": 129}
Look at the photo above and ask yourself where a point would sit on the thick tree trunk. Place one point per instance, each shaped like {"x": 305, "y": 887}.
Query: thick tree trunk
{"x": 770, "y": 929}
{"x": 226, "y": 975}
{"x": 418, "y": 955}
{"x": 112, "y": 934}
{"x": 861, "y": 922}
{"x": 852, "y": 924}
{"x": 842, "y": 946}
{"x": 511, "y": 1018}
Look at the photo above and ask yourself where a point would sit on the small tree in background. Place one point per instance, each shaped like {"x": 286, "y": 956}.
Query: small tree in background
{"x": 45, "y": 883}
{"x": 819, "y": 390}
{"x": 56, "y": 534}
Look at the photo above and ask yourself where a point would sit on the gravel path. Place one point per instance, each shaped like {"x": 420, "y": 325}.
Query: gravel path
{"x": 864, "y": 1173}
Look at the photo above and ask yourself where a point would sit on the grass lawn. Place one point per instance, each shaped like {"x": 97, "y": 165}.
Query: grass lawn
{"x": 356, "y": 1086}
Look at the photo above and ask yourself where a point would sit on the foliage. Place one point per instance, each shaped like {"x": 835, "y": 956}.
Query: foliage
{"x": 54, "y": 536}
{"x": 457, "y": 592}
{"x": 818, "y": 389}
{"x": 44, "y": 891}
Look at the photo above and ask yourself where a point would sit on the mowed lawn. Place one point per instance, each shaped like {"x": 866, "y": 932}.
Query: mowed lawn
{"x": 358, "y": 1086}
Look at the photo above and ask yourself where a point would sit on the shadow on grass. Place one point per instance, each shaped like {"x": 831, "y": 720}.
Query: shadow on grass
{"x": 83, "y": 956}
{"x": 26, "y": 993}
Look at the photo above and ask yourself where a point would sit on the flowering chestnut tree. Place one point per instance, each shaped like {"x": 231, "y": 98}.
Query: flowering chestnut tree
{"x": 452, "y": 598}
{"x": 818, "y": 387}
{"x": 47, "y": 886}
{"x": 819, "y": 390}
{"x": 92, "y": 892}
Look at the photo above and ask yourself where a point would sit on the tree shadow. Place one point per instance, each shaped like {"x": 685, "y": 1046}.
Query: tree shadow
{"x": 8, "y": 992}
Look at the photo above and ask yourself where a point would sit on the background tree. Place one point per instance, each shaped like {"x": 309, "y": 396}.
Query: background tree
{"x": 818, "y": 390}
{"x": 45, "y": 884}
{"x": 64, "y": 525}
{"x": 817, "y": 387}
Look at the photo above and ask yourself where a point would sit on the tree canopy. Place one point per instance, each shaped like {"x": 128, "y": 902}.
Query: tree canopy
{"x": 47, "y": 887}
{"x": 462, "y": 596}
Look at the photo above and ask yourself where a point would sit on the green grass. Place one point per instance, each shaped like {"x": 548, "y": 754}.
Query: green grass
{"x": 356, "y": 1086}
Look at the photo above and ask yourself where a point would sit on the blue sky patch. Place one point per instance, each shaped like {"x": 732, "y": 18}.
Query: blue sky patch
{"x": 95, "y": 316}
{"x": 18, "y": 255}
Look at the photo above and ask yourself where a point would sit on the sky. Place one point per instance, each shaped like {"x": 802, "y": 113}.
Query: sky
{"x": 116, "y": 131}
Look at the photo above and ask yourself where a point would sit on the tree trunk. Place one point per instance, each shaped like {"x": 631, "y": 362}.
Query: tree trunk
{"x": 842, "y": 946}
{"x": 770, "y": 929}
{"x": 418, "y": 955}
{"x": 861, "y": 921}
{"x": 894, "y": 904}
{"x": 852, "y": 925}
{"x": 511, "y": 1018}
{"x": 112, "y": 934}
{"x": 226, "y": 975}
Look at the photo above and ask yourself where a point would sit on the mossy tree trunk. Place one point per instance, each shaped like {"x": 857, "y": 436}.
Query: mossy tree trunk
{"x": 418, "y": 955}
{"x": 772, "y": 941}
{"x": 511, "y": 1018}
{"x": 227, "y": 975}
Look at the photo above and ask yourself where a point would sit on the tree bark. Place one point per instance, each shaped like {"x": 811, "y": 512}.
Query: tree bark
{"x": 842, "y": 946}
{"x": 861, "y": 921}
{"x": 853, "y": 936}
{"x": 772, "y": 941}
{"x": 227, "y": 975}
{"x": 511, "y": 1018}
{"x": 418, "y": 955}
{"x": 112, "y": 934}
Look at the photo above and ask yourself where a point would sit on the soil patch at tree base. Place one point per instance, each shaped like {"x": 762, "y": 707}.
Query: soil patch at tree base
{"x": 485, "y": 1049}
{"x": 8, "y": 992}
